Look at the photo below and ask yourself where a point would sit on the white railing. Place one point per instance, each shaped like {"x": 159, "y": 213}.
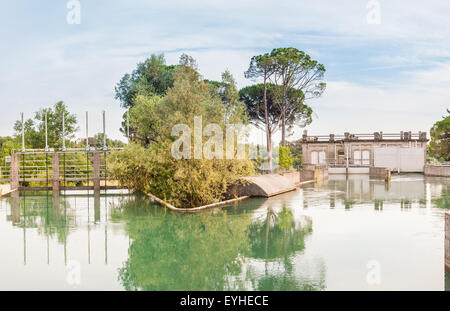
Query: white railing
{"x": 372, "y": 136}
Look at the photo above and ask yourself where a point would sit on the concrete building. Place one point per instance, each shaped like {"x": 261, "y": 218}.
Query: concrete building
{"x": 404, "y": 151}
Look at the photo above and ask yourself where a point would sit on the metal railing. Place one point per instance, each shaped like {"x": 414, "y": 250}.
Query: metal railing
{"x": 378, "y": 136}
{"x": 439, "y": 163}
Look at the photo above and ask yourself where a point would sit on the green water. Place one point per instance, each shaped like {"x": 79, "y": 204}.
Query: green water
{"x": 355, "y": 234}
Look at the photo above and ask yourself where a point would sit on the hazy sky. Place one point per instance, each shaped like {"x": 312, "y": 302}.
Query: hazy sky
{"x": 390, "y": 76}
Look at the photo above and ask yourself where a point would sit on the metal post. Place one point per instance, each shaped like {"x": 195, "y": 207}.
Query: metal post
{"x": 63, "y": 133}
{"x": 335, "y": 154}
{"x": 96, "y": 167}
{"x": 104, "y": 131}
{"x": 87, "y": 132}
{"x": 46, "y": 132}
{"x": 23, "y": 134}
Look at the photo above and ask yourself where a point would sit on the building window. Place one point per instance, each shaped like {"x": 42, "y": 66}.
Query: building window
{"x": 361, "y": 157}
{"x": 314, "y": 158}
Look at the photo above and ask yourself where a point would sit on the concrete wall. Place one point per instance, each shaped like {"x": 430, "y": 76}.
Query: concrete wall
{"x": 265, "y": 185}
{"x": 293, "y": 176}
{"x": 351, "y": 170}
{"x": 380, "y": 172}
{"x": 434, "y": 170}
{"x": 447, "y": 240}
{"x": 404, "y": 159}
{"x": 349, "y": 148}
{"x": 306, "y": 175}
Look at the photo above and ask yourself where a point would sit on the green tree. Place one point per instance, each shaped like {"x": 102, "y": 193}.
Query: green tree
{"x": 151, "y": 77}
{"x": 35, "y": 128}
{"x": 149, "y": 165}
{"x": 296, "y": 151}
{"x": 227, "y": 91}
{"x": 294, "y": 69}
{"x": 439, "y": 146}
{"x": 285, "y": 157}
{"x": 262, "y": 113}
{"x": 111, "y": 143}
{"x": 263, "y": 66}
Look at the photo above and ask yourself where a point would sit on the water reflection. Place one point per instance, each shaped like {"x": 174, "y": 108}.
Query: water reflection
{"x": 208, "y": 251}
{"x": 319, "y": 237}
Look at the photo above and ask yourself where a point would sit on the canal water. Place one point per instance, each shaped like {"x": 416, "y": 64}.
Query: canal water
{"x": 343, "y": 234}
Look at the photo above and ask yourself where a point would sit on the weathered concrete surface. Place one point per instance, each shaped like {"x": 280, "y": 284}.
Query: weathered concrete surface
{"x": 380, "y": 172}
{"x": 55, "y": 174}
{"x": 14, "y": 172}
{"x": 435, "y": 170}
{"x": 320, "y": 174}
{"x": 351, "y": 170}
{"x": 447, "y": 240}
{"x": 294, "y": 176}
{"x": 96, "y": 164}
{"x": 265, "y": 185}
{"x": 313, "y": 173}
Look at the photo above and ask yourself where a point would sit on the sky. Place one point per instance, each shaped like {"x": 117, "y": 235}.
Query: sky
{"x": 387, "y": 62}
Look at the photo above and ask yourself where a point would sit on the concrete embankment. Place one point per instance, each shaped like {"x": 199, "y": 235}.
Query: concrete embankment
{"x": 257, "y": 186}
{"x": 380, "y": 172}
{"x": 273, "y": 184}
{"x": 437, "y": 170}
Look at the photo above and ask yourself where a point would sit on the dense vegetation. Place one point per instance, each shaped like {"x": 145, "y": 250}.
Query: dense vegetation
{"x": 147, "y": 163}
{"x": 439, "y": 147}
{"x": 158, "y": 97}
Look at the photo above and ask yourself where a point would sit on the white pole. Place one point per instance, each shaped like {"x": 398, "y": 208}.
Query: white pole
{"x": 46, "y": 138}
{"x": 104, "y": 130}
{"x": 347, "y": 155}
{"x": 87, "y": 132}
{"x": 63, "y": 133}
{"x": 335, "y": 154}
{"x": 23, "y": 134}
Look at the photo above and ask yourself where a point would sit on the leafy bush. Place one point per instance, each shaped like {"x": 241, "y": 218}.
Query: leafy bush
{"x": 285, "y": 157}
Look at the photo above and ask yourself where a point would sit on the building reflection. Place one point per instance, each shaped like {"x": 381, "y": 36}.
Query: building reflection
{"x": 415, "y": 190}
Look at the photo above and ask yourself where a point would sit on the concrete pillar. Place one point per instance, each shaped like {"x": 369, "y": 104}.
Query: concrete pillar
{"x": 447, "y": 240}
{"x": 14, "y": 173}
{"x": 55, "y": 168}
{"x": 97, "y": 205}
{"x": 96, "y": 164}
{"x": 15, "y": 207}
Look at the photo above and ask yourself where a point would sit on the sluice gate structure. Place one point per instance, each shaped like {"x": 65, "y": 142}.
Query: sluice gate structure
{"x": 54, "y": 170}
{"x": 71, "y": 169}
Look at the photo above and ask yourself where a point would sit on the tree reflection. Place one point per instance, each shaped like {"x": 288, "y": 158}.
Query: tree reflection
{"x": 444, "y": 200}
{"x": 215, "y": 250}
{"x": 277, "y": 239}
{"x": 171, "y": 251}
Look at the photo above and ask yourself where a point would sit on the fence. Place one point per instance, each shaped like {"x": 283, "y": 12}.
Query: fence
{"x": 60, "y": 170}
